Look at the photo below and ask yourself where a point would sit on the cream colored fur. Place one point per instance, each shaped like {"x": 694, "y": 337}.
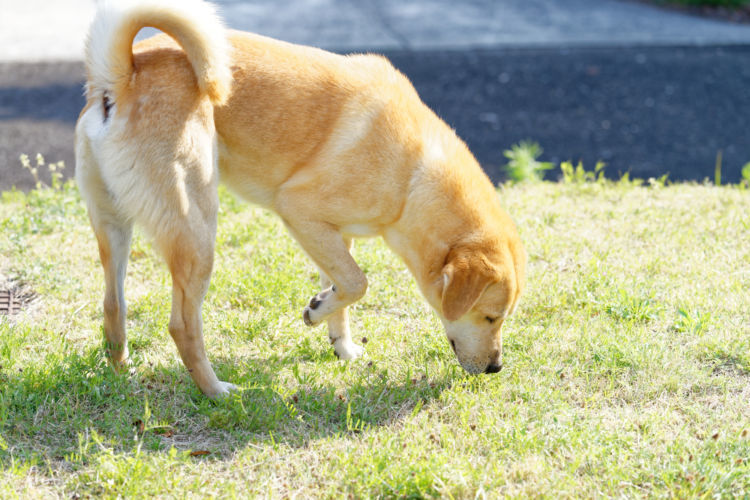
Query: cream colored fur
{"x": 338, "y": 146}
{"x": 193, "y": 23}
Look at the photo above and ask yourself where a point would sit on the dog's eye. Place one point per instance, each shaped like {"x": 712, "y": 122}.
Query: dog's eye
{"x": 490, "y": 319}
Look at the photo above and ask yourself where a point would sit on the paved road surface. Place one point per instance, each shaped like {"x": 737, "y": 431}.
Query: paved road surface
{"x": 645, "y": 90}
{"x": 44, "y": 30}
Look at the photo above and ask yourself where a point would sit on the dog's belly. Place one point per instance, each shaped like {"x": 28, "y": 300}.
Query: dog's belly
{"x": 361, "y": 230}
{"x": 254, "y": 192}
{"x": 244, "y": 176}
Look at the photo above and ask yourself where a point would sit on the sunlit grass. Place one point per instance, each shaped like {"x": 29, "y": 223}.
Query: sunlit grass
{"x": 627, "y": 365}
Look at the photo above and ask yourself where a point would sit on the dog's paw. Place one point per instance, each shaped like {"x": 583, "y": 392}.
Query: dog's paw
{"x": 346, "y": 349}
{"x": 307, "y": 317}
{"x": 222, "y": 390}
{"x": 123, "y": 366}
{"x": 310, "y": 316}
{"x": 313, "y": 313}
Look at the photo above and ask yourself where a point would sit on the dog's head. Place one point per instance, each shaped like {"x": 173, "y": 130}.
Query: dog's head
{"x": 480, "y": 288}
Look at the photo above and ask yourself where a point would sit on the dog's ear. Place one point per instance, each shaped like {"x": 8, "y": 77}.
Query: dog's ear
{"x": 465, "y": 277}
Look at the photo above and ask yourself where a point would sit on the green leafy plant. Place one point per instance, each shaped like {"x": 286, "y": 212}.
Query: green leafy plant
{"x": 625, "y": 180}
{"x": 691, "y": 321}
{"x": 523, "y": 164}
{"x": 717, "y": 169}
{"x": 658, "y": 182}
{"x": 745, "y": 182}
{"x": 579, "y": 175}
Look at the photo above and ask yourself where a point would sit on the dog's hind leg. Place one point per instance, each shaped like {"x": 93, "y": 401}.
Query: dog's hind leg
{"x": 113, "y": 232}
{"x": 189, "y": 254}
{"x": 113, "y": 237}
{"x": 338, "y": 324}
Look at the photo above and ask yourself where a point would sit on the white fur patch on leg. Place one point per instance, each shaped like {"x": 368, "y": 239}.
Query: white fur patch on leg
{"x": 346, "y": 349}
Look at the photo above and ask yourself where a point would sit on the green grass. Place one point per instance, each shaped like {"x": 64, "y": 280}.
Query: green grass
{"x": 627, "y": 365}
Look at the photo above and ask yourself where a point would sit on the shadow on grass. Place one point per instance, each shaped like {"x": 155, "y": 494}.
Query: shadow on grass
{"x": 47, "y": 410}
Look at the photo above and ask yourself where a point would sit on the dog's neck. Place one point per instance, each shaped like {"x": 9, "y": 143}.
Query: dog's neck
{"x": 420, "y": 241}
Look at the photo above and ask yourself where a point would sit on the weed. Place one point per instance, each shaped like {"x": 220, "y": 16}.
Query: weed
{"x": 55, "y": 171}
{"x": 745, "y": 182}
{"x": 692, "y": 321}
{"x": 717, "y": 168}
{"x": 626, "y": 307}
{"x": 658, "y": 182}
{"x": 579, "y": 175}
{"x": 626, "y": 181}
{"x": 523, "y": 164}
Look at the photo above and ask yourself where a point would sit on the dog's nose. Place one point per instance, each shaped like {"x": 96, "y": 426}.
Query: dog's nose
{"x": 491, "y": 368}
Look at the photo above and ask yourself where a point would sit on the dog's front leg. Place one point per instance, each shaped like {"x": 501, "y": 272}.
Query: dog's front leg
{"x": 338, "y": 324}
{"x": 342, "y": 278}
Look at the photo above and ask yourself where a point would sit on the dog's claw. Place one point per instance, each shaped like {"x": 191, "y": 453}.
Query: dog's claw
{"x": 315, "y": 302}
{"x": 306, "y": 317}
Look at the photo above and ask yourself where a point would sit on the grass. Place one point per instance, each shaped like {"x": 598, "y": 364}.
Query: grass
{"x": 627, "y": 365}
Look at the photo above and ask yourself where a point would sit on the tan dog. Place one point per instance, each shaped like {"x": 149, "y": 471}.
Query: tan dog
{"x": 338, "y": 146}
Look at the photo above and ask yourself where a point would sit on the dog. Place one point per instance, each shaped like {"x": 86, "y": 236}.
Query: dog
{"x": 340, "y": 147}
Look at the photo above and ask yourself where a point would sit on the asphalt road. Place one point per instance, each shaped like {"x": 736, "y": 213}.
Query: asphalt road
{"x": 644, "y": 110}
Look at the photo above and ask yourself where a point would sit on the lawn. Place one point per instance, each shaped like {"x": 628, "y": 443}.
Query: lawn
{"x": 627, "y": 364}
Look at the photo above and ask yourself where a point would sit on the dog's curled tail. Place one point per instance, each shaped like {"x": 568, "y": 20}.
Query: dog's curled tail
{"x": 194, "y": 24}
